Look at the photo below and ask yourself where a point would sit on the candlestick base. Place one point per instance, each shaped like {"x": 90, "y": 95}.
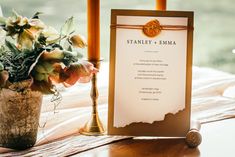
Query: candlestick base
{"x": 94, "y": 126}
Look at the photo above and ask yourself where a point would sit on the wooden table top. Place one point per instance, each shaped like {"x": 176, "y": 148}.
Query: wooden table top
{"x": 218, "y": 141}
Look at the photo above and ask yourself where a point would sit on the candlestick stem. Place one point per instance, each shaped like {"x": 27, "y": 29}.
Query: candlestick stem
{"x": 161, "y": 5}
{"x": 94, "y": 126}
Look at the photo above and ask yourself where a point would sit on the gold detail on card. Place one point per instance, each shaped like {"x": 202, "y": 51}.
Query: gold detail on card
{"x": 152, "y": 28}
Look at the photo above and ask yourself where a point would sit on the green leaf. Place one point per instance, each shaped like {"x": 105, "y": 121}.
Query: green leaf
{"x": 70, "y": 48}
{"x": 15, "y": 14}
{"x": 12, "y": 47}
{"x": 35, "y": 63}
{"x": 2, "y": 20}
{"x": 36, "y": 15}
{"x": 1, "y": 67}
{"x": 69, "y": 57}
{"x": 68, "y": 27}
{"x": 67, "y": 46}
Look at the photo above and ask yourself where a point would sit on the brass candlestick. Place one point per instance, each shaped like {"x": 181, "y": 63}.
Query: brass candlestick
{"x": 94, "y": 126}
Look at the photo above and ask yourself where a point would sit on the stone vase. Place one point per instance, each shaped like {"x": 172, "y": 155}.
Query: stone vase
{"x": 19, "y": 118}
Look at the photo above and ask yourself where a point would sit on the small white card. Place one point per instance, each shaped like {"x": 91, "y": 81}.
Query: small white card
{"x": 150, "y": 75}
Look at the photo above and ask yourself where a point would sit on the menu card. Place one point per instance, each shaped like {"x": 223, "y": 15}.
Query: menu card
{"x": 150, "y": 73}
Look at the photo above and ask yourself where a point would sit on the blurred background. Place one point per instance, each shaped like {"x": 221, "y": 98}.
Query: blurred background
{"x": 214, "y": 35}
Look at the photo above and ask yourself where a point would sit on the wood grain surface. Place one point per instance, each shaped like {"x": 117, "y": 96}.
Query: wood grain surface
{"x": 217, "y": 141}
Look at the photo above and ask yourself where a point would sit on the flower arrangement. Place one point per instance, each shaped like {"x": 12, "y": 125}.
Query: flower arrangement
{"x": 36, "y": 56}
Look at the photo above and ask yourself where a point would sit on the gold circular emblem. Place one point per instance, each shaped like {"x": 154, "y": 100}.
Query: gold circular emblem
{"x": 152, "y": 28}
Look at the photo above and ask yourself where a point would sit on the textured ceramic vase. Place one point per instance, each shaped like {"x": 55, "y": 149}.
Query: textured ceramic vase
{"x": 19, "y": 118}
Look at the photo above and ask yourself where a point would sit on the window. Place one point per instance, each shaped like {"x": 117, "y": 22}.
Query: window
{"x": 214, "y": 33}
